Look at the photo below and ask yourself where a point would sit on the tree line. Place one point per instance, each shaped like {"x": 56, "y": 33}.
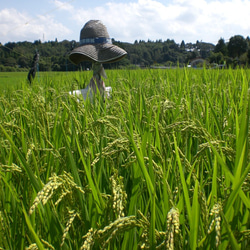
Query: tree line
{"x": 54, "y": 55}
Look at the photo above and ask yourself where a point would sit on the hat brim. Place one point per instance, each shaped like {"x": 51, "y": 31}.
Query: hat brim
{"x": 102, "y": 53}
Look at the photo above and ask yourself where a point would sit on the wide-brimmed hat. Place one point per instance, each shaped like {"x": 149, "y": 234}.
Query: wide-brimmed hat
{"x": 96, "y": 45}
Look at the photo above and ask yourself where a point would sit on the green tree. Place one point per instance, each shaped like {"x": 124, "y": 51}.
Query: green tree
{"x": 221, "y": 47}
{"x": 237, "y": 46}
{"x": 10, "y": 61}
{"x": 23, "y": 62}
{"x": 182, "y": 44}
{"x": 216, "y": 58}
{"x": 248, "y": 56}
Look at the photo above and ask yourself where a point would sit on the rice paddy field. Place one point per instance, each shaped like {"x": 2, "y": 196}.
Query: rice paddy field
{"x": 163, "y": 164}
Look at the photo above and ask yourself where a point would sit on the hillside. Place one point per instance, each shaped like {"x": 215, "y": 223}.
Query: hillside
{"x": 54, "y": 55}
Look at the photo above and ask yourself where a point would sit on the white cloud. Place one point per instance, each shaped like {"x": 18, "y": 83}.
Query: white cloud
{"x": 18, "y": 26}
{"x": 63, "y": 5}
{"x": 182, "y": 19}
{"x": 144, "y": 19}
{"x": 187, "y": 20}
{"x": 8, "y": 23}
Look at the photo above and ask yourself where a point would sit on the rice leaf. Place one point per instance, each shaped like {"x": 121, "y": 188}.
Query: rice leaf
{"x": 232, "y": 239}
{"x": 215, "y": 117}
{"x": 34, "y": 181}
{"x": 194, "y": 226}
{"x": 94, "y": 189}
{"x": 32, "y": 231}
{"x": 183, "y": 182}
{"x": 242, "y": 195}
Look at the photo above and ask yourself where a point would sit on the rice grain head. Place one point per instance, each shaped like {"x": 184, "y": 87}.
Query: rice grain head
{"x": 32, "y": 246}
{"x": 89, "y": 242}
{"x": 119, "y": 195}
{"x": 47, "y": 244}
{"x": 173, "y": 227}
{"x": 68, "y": 225}
{"x": 12, "y": 168}
{"x": 216, "y": 222}
{"x": 65, "y": 182}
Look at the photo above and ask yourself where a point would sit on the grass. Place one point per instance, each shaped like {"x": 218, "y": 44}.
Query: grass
{"x": 163, "y": 164}
{"x": 11, "y": 80}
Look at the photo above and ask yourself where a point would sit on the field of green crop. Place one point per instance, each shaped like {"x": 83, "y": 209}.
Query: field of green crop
{"x": 163, "y": 164}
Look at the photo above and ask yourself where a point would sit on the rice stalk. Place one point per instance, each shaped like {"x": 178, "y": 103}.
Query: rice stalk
{"x": 184, "y": 131}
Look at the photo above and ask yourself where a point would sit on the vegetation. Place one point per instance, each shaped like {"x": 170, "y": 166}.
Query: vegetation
{"x": 163, "y": 164}
{"x": 54, "y": 54}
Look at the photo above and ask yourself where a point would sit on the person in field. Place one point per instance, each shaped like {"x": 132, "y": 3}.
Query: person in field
{"x": 95, "y": 46}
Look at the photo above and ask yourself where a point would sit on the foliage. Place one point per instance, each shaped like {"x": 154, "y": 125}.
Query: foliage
{"x": 221, "y": 47}
{"x": 163, "y": 164}
{"x": 237, "y": 46}
{"x": 54, "y": 54}
{"x": 234, "y": 53}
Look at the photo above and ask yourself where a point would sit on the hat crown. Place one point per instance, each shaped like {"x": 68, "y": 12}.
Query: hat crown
{"x": 93, "y": 29}
{"x": 96, "y": 45}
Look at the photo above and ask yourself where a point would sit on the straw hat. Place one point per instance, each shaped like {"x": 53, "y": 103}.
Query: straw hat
{"x": 96, "y": 45}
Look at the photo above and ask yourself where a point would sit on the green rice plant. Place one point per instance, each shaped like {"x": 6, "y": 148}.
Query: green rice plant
{"x": 163, "y": 164}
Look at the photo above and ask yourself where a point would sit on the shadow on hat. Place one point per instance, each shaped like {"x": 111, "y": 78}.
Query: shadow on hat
{"x": 96, "y": 45}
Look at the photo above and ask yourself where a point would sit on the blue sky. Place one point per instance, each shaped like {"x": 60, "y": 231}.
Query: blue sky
{"x": 126, "y": 21}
